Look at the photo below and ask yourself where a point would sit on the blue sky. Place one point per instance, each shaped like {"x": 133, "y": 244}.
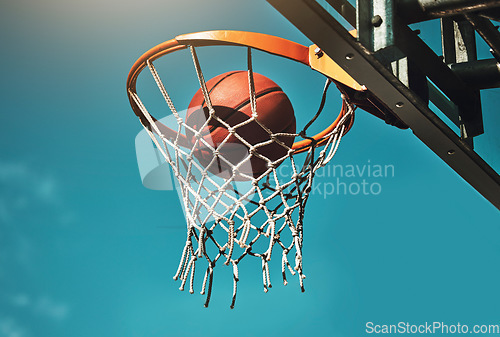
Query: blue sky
{"x": 86, "y": 250}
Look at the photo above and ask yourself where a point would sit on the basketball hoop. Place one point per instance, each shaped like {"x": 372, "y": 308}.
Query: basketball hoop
{"x": 224, "y": 222}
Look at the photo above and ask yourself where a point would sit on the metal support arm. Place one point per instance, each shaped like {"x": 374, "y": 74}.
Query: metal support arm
{"x": 488, "y": 32}
{"x": 318, "y": 25}
{"x": 421, "y": 10}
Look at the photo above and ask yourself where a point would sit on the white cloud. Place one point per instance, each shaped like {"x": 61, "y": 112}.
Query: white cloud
{"x": 20, "y": 300}
{"x": 23, "y": 189}
{"x": 22, "y": 185}
{"x": 43, "y": 306}
{"x": 48, "y": 307}
{"x": 46, "y": 190}
{"x": 10, "y": 328}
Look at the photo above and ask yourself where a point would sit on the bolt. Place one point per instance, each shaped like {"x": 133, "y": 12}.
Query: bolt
{"x": 451, "y": 152}
{"x": 377, "y": 21}
{"x": 318, "y": 52}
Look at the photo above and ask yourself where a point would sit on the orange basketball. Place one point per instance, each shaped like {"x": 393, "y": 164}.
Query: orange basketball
{"x": 230, "y": 98}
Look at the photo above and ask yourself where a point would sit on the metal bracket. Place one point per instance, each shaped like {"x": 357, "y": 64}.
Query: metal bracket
{"x": 378, "y": 31}
{"x": 319, "y": 26}
{"x": 459, "y": 45}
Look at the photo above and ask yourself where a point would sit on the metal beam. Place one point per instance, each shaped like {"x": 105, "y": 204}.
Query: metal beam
{"x": 488, "y": 32}
{"x": 447, "y": 107}
{"x": 375, "y": 23}
{"x": 380, "y": 32}
{"x": 459, "y": 45}
{"x": 344, "y": 8}
{"x": 492, "y": 14}
{"x": 319, "y": 26}
{"x": 421, "y": 10}
{"x": 465, "y": 98}
{"x": 482, "y": 74}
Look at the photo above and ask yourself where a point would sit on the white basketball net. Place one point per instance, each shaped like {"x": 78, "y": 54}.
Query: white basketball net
{"x": 227, "y": 223}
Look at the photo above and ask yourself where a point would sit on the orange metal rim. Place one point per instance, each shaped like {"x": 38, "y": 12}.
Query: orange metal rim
{"x": 267, "y": 43}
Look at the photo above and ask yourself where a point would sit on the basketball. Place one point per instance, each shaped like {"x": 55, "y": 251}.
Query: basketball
{"x": 230, "y": 97}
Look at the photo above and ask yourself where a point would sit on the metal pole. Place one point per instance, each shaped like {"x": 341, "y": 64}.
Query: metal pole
{"x": 459, "y": 45}
{"x": 482, "y": 74}
{"x": 344, "y": 8}
{"x": 488, "y": 32}
{"x": 421, "y": 10}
